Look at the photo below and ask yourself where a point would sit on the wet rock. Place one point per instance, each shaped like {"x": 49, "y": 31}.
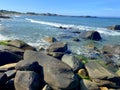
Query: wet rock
{"x": 92, "y": 35}
{"x": 88, "y": 85}
{"x": 114, "y": 27}
{"x": 27, "y": 80}
{"x": 50, "y": 39}
{"x": 76, "y": 39}
{"x": 61, "y": 27}
{"x": 76, "y": 32}
{"x": 56, "y": 73}
{"x": 73, "y": 62}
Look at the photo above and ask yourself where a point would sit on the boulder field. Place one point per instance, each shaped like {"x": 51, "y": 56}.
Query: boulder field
{"x": 22, "y": 67}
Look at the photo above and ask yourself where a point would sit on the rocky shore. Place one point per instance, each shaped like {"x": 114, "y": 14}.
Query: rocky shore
{"x": 23, "y": 67}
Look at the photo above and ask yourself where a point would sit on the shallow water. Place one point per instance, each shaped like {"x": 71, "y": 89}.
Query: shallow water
{"x": 32, "y": 29}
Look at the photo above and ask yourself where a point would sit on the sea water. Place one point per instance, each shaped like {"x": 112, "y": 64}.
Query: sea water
{"x": 32, "y": 29}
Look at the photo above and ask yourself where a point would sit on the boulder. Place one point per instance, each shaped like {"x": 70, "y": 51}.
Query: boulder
{"x": 111, "y": 49}
{"x": 50, "y": 39}
{"x": 20, "y": 44}
{"x": 3, "y": 79}
{"x": 6, "y": 67}
{"x": 114, "y": 27}
{"x": 57, "y": 55}
{"x": 9, "y": 85}
{"x": 7, "y": 57}
{"x": 97, "y": 71}
{"x": 88, "y": 85}
{"x": 26, "y": 65}
{"x": 92, "y": 35}
{"x": 76, "y": 32}
{"x": 10, "y": 74}
{"x": 57, "y": 47}
{"x": 56, "y": 73}
{"x": 106, "y": 83}
{"x": 73, "y": 62}
{"x": 12, "y": 49}
{"x": 27, "y": 80}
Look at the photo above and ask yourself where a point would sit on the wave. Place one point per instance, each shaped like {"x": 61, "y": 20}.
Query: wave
{"x": 76, "y": 27}
{"x": 2, "y": 37}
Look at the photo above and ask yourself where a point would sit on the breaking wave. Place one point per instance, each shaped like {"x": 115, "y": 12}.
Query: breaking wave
{"x": 76, "y": 27}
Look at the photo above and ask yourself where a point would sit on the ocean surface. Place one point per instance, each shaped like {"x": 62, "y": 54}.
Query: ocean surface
{"x": 32, "y": 29}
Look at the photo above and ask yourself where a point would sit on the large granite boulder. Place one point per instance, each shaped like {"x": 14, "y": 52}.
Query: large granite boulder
{"x": 7, "y": 57}
{"x": 114, "y": 27}
{"x": 92, "y": 35}
{"x": 73, "y": 62}
{"x": 27, "y": 80}
{"x": 56, "y": 73}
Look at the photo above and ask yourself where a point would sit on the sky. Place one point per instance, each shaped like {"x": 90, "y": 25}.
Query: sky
{"x": 65, "y": 7}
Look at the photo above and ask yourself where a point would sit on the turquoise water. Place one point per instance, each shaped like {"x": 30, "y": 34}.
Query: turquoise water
{"x": 32, "y": 29}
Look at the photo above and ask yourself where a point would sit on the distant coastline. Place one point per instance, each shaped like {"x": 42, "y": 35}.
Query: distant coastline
{"x": 9, "y": 13}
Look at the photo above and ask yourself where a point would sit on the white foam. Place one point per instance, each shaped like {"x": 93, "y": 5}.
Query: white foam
{"x": 3, "y": 37}
{"x": 77, "y": 27}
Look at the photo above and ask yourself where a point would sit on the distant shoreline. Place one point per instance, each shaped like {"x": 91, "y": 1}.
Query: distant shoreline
{"x": 6, "y": 13}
